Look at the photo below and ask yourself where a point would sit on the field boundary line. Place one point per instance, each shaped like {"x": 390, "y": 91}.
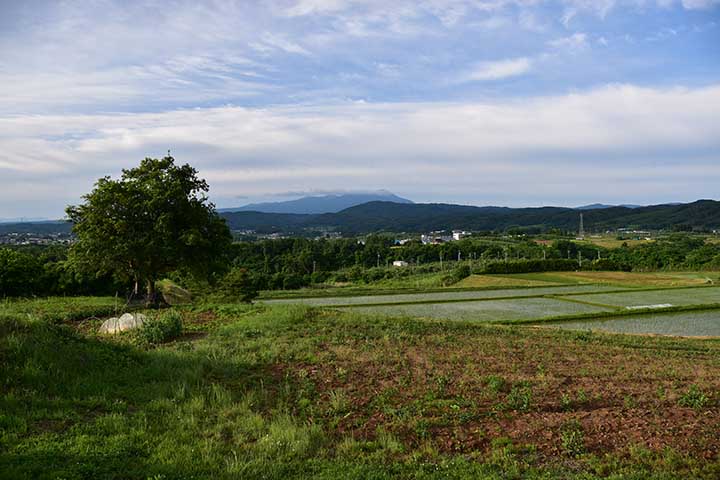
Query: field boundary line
{"x": 412, "y": 291}
{"x": 446, "y": 300}
{"x": 583, "y": 302}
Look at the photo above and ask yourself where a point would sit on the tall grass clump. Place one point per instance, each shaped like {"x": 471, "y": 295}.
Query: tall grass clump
{"x": 161, "y": 327}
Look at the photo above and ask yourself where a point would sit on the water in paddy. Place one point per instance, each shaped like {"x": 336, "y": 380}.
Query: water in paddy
{"x": 484, "y": 311}
{"x": 687, "y": 324}
{"x": 448, "y": 295}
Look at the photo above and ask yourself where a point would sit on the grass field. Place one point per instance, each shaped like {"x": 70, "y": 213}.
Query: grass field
{"x": 482, "y": 281}
{"x": 626, "y": 279}
{"x": 614, "y": 242}
{"x": 60, "y": 309}
{"x": 294, "y": 392}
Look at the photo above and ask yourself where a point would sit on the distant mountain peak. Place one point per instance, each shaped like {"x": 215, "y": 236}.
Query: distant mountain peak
{"x": 325, "y": 203}
{"x": 600, "y": 206}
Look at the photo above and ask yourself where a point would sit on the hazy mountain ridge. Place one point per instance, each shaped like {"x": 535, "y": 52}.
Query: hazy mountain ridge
{"x": 599, "y": 206}
{"x": 318, "y": 204}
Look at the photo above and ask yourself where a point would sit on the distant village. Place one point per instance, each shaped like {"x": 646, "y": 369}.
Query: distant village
{"x": 24, "y": 238}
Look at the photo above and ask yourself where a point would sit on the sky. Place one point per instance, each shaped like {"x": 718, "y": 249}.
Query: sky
{"x": 480, "y": 102}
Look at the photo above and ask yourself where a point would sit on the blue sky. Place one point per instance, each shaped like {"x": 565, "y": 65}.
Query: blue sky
{"x": 505, "y": 102}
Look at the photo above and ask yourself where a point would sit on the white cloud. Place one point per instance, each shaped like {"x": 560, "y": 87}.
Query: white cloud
{"x": 574, "y": 42}
{"x": 699, "y": 4}
{"x": 272, "y": 41}
{"x": 513, "y": 151}
{"x": 501, "y": 69}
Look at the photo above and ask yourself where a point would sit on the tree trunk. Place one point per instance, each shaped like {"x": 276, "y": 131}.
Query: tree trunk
{"x": 151, "y": 293}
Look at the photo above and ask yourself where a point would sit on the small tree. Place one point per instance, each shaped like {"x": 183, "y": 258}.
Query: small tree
{"x": 238, "y": 285}
{"x": 154, "y": 219}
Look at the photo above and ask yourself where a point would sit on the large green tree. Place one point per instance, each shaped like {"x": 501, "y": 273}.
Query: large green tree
{"x": 156, "y": 218}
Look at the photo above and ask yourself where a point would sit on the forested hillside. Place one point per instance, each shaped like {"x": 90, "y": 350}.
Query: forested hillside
{"x": 387, "y": 216}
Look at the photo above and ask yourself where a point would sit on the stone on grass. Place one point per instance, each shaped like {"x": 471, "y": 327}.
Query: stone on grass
{"x": 127, "y": 321}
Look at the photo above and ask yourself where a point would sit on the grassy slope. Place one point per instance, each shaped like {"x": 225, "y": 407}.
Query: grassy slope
{"x": 292, "y": 392}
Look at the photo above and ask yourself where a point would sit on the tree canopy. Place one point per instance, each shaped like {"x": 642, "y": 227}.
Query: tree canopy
{"x": 156, "y": 218}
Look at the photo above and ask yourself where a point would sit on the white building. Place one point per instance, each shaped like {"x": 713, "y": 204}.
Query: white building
{"x": 459, "y": 234}
{"x": 400, "y": 263}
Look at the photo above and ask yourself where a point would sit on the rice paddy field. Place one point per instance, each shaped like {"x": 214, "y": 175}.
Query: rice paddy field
{"x": 445, "y": 296}
{"x": 679, "y": 296}
{"x": 487, "y": 311}
{"x": 579, "y": 298}
{"x": 695, "y": 324}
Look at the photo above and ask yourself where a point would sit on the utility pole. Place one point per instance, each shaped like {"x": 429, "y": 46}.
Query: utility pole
{"x": 378, "y": 260}
{"x": 441, "y": 265}
{"x": 580, "y": 258}
{"x": 458, "y": 256}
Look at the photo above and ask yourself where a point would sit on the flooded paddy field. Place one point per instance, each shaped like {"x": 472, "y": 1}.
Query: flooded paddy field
{"x": 546, "y": 304}
{"x": 672, "y": 297}
{"x": 446, "y": 296}
{"x": 704, "y": 323}
{"x": 485, "y": 311}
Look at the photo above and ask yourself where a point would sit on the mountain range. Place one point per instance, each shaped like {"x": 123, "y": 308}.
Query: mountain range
{"x": 331, "y": 203}
{"x": 424, "y": 217}
{"x": 598, "y": 206}
{"x": 377, "y": 216}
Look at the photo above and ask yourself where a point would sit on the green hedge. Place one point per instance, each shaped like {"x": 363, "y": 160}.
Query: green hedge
{"x": 531, "y": 266}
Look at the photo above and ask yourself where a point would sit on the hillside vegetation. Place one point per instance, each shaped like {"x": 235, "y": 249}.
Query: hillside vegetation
{"x": 293, "y": 392}
{"x": 388, "y": 216}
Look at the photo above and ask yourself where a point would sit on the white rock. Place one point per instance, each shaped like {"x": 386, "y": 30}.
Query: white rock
{"x": 127, "y": 321}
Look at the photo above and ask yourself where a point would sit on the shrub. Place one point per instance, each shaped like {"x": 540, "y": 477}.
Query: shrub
{"x": 293, "y": 281}
{"x": 463, "y": 271}
{"x": 530, "y": 266}
{"x": 319, "y": 277}
{"x": 20, "y": 273}
{"x": 161, "y": 327}
{"x": 238, "y": 285}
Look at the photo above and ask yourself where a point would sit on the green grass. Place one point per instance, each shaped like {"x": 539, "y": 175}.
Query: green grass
{"x": 61, "y": 309}
{"x": 293, "y": 392}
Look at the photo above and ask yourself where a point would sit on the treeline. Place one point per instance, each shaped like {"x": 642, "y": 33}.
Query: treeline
{"x": 295, "y": 263}
{"x": 43, "y": 271}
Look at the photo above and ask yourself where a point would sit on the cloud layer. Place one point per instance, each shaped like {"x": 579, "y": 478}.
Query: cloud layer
{"x": 478, "y": 101}
{"x": 613, "y": 143}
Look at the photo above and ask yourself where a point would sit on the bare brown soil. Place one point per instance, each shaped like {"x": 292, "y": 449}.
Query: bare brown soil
{"x": 460, "y": 392}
